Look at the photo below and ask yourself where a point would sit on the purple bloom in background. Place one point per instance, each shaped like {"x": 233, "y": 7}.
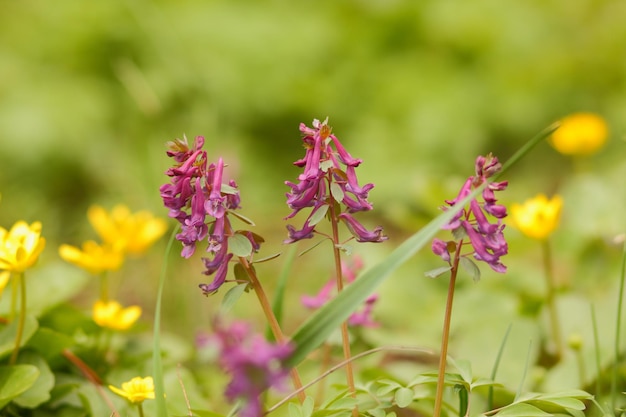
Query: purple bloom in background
{"x": 253, "y": 363}
{"x": 200, "y": 201}
{"x": 362, "y": 317}
{"x": 487, "y": 238}
{"x": 328, "y": 176}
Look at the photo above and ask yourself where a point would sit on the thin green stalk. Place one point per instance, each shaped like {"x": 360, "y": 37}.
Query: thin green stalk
{"x": 345, "y": 336}
{"x": 496, "y": 365}
{"x": 140, "y": 408}
{"x": 551, "y": 297}
{"x": 620, "y": 301}
{"x": 14, "y": 290}
{"x": 596, "y": 343}
{"x": 159, "y": 389}
{"x": 22, "y": 318}
{"x": 526, "y": 366}
{"x": 446, "y": 331}
{"x": 104, "y": 287}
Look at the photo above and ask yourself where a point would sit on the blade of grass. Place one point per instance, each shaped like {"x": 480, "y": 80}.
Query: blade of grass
{"x": 620, "y": 299}
{"x": 157, "y": 366}
{"x": 281, "y": 285}
{"x": 526, "y": 366}
{"x": 313, "y": 332}
{"x": 496, "y": 364}
{"x": 596, "y": 345}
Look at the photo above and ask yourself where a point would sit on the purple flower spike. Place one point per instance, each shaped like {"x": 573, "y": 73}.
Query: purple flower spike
{"x": 201, "y": 202}
{"x": 327, "y": 164}
{"x": 487, "y": 238}
{"x": 254, "y": 365}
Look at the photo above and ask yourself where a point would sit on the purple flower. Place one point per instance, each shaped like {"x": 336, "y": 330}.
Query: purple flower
{"x": 201, "y": 202}
{"x": 486, "y": 238}
{"x": 327, "y": 166}
{"x": 253, "y": 363}
{"x": 361, "y": 233}
{"x": 362, "y": 317}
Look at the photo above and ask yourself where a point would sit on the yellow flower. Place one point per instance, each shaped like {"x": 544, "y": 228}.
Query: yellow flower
{"x": 111, "y": 315}
{"x": 580, "y": 134}
{"x": 132, "y": 233}
{"x": 93, "y": 257}
{"x": 20, "y": 247}
{"x": 137, "y": 390}
{"x": 537, "y": 217}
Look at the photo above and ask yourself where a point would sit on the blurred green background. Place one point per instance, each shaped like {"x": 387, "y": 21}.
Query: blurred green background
{"x": 91, "y": 92}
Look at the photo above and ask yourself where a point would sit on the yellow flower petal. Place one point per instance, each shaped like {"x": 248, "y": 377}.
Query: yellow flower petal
{"x": 136, "y": 390}
{"x": 580, "y": 134}
{"x": 21, "y": 246}
{"x": 132, "y": 233}
{"x": 93, "y": 257}
{"x": 537, "y": 217}
{"x": 111, "y": 315}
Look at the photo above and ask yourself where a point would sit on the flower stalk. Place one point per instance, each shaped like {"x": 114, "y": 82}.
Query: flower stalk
{"x": 345, "y": 336}
{"x": 551, "y": 297}
{"x": 446, "y": 331}
{"x": 21, "y": 283}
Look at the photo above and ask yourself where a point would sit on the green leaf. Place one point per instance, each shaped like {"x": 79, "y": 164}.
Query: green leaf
{"x": 463, "y": 399}
{"x": 470, "y": 267}
{"x": 336, "y": 192}
{"x": 205, "y": 413}
{"x": 7, "y": 335}
{"x": 434, "y": 273}
{"x": 318, "y": 216}
{"x": 49, "y": 343}
{"x": 231, "y": 297}
{"x": 240, "y": 245}
{"x": 39, "y": 393}
{"x": 15, "y": 380}
{"x": 522, "y": 410}
{"x": 62, "y": 282}
{"x": 465, "y": 369}
{"x": 241, "y": 217}
{"x": 404, "y": 397}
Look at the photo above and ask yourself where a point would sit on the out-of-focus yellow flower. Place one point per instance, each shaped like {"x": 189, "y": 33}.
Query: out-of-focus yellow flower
{"x": 537, "y": 217}
{"x": 93, "y": 257}
{"x": 126, "y": 231}
{"x": 20, "y": 247}
{"x": 137, "y": 390}
{"x": 110, "y": 314}
{"x": 580, "y": 134}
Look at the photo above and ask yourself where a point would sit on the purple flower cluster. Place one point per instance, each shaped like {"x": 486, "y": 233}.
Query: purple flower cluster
{"x": 254, "y": 364}
{"x": 362, "y": 317}
{"x": 486, "y": 238}
{"x": 194, "y": 193}
{"x": 326, "y": 181}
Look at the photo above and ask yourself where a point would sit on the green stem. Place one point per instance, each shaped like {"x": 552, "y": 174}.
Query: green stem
{"x": 345, "y": 336}
{"x": 551, "y": 297}
{"x": 446, "y": 331}
{"x": 620, "y": 301}
{"x": 596, "y": 344}
{"x": 157, "y": 364}
{"x": 21, "y": 319}
{"x": 14, "y": 291}
{"x": 104, "y": 287}
{"x": 140, "y": 408}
